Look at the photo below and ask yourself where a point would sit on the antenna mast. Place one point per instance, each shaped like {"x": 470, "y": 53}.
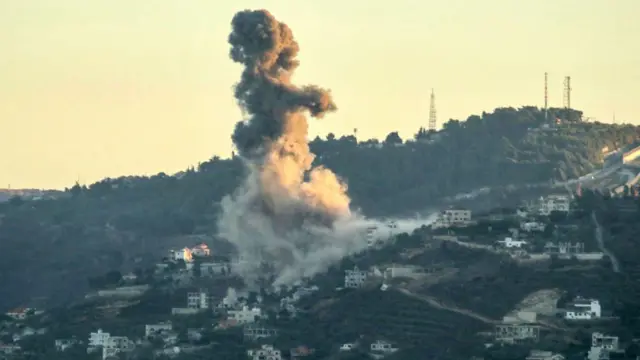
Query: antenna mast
{"x": 432, "y": 112}
{"x": 546, "y": 98}
{"x": 567, "y": 96}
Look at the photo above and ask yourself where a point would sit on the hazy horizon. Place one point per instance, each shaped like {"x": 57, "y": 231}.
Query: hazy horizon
{"x": 113, "y": 88}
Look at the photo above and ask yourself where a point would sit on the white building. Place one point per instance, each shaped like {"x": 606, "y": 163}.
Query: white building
{"x": 354, "y": 278}
{"x": 452, "y": 218}
{"x": 155, "y": 329}
{"x": 383, "y": 347}
{"x": 116, "y": 345}
{"x": 552, "y": 203}
{"x": 98, "y": 339}
{"x": 244, "y": 315}
{"x": 583, "y": 309}
{"x": 266, "y": 352}
{"x": 509, "y": 243}
{"x": 198, "y": 300}
{"x": 532, "y": 226}
{"x": 602, "y": 345}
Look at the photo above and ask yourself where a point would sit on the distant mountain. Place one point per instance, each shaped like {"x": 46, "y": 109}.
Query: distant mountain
{"x": 51, "y": 246}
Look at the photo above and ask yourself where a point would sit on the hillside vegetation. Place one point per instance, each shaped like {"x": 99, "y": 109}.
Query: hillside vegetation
{"x": 51, "y": 246}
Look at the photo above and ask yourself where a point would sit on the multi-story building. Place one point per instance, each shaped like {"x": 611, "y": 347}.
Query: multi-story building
{"x": 602, "y": 346}
{"x": 452, "y": 218}
{"x": 561, "y": 203}
{"x": 198, "y": 300}
{"x": 354, "y": 278}
{"x": 98, "y": 339}
{"x": 583, "y": 309}
{"x": 518, "y": 327}
{"x": 115, "y": 345}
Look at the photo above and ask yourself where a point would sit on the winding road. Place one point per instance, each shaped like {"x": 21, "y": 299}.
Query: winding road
{"x": 615, "y": 264}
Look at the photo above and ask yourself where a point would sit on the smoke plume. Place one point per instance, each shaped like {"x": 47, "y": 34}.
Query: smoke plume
{"x": 289, "y": 219}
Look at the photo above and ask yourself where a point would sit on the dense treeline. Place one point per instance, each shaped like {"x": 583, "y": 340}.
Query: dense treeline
{"x": 115, "y": 222}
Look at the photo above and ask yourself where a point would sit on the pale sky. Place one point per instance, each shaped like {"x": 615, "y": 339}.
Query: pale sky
{"x": 103, "y": 88}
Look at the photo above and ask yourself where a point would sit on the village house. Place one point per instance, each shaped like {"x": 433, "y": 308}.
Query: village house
{"x": 9, "y": 349}
{"x": 214, "y": 268}
{"x": 196, "y": 303}
{"x": 544, "y": 355}
{"x": 531, "y": 226}
{"x": 201, "y": 250}
{"x": 245, "y": 315}
{"x": 518, "y": 327}
{"x": 602, "y": 346}
{"x": 300, "y": 352}
{"x": 265, "y": 352}
{"x": 452, "y": 218}
{"x": 355, "y": 278}
{"x": 551, "y": 203}
{"x": 110, "y": 345}
{"x": 564, "y": 248}
{"x": 406, "y": 271}
{"x": 199, "y": 300}
{"x": 380, "y": 348}
{"x": 116, "y": 345}
{"x": 157, "y": 329}
{"x": 583, "y": 309}
{"x": 20, "y": 313}
{"x": 97, "y": 339}
{"x": 182, "y": 254}
{"x": 254, "y": 332}
{"x": 64, "y": 344}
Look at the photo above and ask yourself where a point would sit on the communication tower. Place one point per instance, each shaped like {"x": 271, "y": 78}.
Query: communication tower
{"x": 566, "y": 98}
{"x": 432, "y": 112}
{"x": 546, "y": 98}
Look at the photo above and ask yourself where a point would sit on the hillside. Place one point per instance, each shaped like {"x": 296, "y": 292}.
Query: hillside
{"x": 457, "y": 289}
{"x": 52, "y": 245}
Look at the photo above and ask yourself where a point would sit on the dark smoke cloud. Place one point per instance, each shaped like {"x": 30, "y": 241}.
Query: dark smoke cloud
{"x": 268, "y": 51}
{"x": 287, "y": 211}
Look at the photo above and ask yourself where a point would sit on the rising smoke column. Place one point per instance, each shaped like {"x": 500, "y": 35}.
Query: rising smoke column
{"x": 286, "y": 211}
